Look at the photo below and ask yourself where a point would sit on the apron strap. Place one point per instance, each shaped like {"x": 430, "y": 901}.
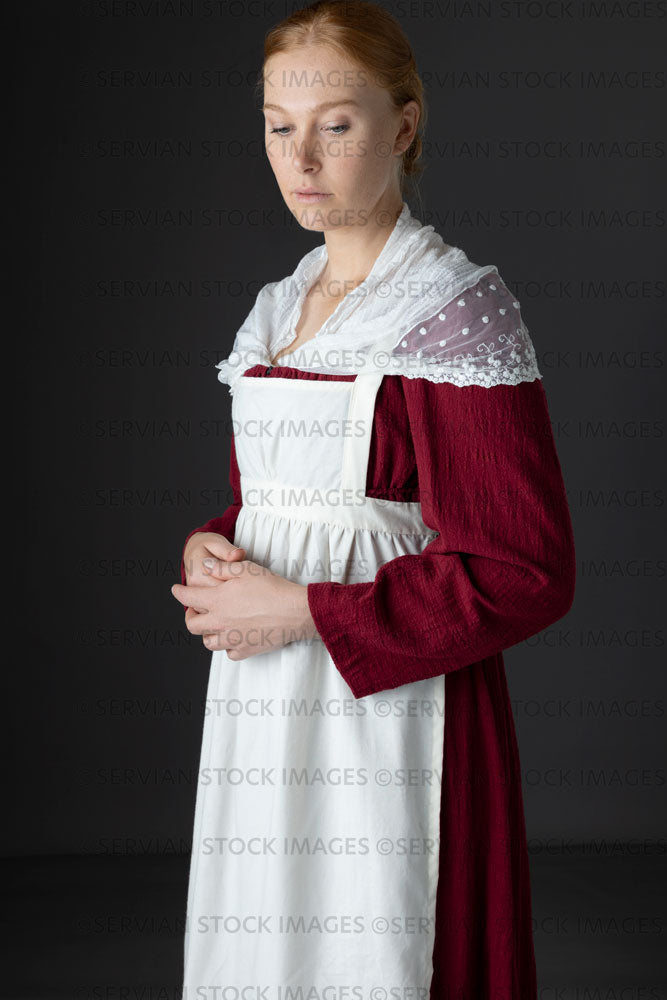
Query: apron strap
{"x": 357, "y": 444}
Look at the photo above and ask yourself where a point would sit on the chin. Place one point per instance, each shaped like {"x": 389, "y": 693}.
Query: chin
{"x": 312, "y": 217}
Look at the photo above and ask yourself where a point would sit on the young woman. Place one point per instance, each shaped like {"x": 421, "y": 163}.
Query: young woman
{"x": 400, "y": 518}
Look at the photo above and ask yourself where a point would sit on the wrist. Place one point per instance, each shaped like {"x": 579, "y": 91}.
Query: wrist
{"x": 304, "y": 625}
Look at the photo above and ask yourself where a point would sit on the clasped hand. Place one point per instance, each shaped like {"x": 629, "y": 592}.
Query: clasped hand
{"x": 235, "y": 604}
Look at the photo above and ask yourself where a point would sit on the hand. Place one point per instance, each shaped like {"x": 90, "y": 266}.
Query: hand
{"x": 206, "y": 547}
{"x": 249, "y": 609}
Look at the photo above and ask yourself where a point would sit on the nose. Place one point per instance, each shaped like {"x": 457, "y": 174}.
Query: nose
{"x": 305, "y": 154}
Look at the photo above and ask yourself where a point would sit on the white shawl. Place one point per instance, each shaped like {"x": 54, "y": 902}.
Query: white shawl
{"x": 424, "y": 311}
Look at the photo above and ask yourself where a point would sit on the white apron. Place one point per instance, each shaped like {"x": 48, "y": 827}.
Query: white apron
{"x": 317, "y": 822}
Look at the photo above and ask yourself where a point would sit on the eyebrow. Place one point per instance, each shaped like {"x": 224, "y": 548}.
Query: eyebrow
{"x": 317, "y": 107}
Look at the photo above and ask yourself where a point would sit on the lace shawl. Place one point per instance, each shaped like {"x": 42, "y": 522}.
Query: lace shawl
{"x": 424, "y": 311}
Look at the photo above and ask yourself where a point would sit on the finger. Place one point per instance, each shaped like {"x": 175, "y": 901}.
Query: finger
{"x": 192, "y": 596}
{"x": 222, "y": 569}
{"x": 208, "y": 566}
{"x": 222, "y": 642}
{"x": 179, "y": 591}
{"x": 221, "y": 548}
{"x": 235, "y": 554}
{"x": 192, "y": 613}
{"x": 201, "y": 577}
{"x": 214, "y": 641}
{"x": 202, "y": 625}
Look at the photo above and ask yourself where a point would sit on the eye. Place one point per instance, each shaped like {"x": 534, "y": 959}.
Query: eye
{"x": 283, "y": 129}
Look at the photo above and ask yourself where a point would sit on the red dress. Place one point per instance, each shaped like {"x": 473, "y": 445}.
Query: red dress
{"x": 483, "y": 464}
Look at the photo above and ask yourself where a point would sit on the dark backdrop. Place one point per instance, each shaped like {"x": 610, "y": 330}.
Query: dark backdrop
{"x": 147, "y": 219}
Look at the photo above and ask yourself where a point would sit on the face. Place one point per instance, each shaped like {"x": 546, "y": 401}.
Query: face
{"x": 331, "y": 130}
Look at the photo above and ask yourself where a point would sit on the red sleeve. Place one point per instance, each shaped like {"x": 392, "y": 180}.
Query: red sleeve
{"x": 503, "y": 565}
{"x": 225, "y": 523}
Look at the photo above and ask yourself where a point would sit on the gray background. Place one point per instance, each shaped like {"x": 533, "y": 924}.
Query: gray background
{"x": 120, "y": 438}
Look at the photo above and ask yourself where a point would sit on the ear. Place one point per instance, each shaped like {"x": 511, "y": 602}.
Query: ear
{"x": 408, "y": 127}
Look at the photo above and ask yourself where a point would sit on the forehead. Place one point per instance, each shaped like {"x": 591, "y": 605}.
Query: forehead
{"x": 307, "y": 76}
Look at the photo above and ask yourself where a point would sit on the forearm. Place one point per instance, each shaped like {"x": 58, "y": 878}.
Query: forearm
{"x": 426, "y": 616}
{"x": 503, "y": 565}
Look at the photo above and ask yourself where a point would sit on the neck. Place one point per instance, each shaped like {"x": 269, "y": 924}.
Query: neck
{"x": 352, "y": 250}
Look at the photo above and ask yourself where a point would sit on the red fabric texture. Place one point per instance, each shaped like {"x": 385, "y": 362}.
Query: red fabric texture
{"x": 484, "y": 465}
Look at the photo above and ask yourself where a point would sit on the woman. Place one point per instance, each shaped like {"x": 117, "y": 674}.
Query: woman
{"x": 399, "y": 519}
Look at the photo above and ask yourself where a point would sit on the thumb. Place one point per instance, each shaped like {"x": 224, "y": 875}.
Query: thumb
{"x": 219, "y": 568}
{"x": 221, "y": 548}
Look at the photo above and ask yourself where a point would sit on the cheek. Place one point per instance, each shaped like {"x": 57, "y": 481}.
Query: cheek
{"x": 277, "y": 161}
{"x": 350, "y": 156}
{"x": 368, "y": 160}
{"x": 271, "y": 148}
{"x": 278, "y": 149}
{"x": 382, "y": 148}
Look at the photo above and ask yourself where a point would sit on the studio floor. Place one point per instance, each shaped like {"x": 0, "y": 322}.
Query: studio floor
{"x": 111, "y": 928}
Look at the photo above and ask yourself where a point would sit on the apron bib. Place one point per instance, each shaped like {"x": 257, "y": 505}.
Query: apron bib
{"x": 317, "y": 821}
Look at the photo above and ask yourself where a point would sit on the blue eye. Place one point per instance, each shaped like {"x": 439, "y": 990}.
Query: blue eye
{"x": 330, "y": 128}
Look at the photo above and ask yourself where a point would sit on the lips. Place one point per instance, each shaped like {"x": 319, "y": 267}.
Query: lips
{"x": 310, "y": 197}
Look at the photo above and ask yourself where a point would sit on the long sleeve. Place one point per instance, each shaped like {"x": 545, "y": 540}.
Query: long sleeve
{"x": 225, "y": 523}
{"x": 503, "y": 565}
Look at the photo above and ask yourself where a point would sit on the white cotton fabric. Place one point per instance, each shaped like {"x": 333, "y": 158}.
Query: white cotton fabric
{"x": 315, "y": 849}
{"x": 424, "y": 311}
